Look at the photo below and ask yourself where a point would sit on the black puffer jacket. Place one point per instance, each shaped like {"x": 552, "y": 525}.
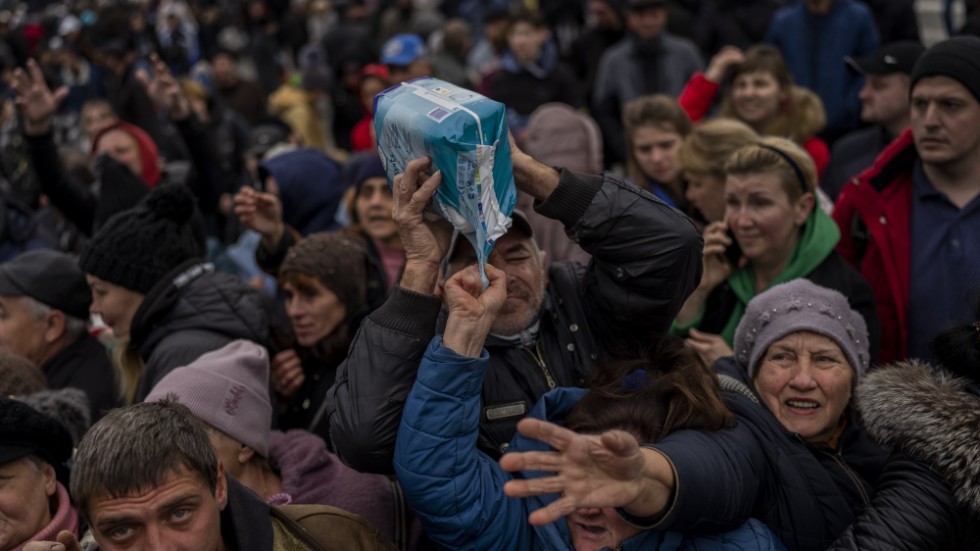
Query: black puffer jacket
{"x": 807, "y": 495}
{"x": 645, "y": 263}
{"x": 191, "y": 311}
{"x": 929, "y": 494}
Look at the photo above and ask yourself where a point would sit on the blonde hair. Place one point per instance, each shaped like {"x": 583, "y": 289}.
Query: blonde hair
{"x": 129, "y": 370}
{"x": 711, "y": 143}
{"x": 657, "y": 110}
{"x": 780, "y": 156}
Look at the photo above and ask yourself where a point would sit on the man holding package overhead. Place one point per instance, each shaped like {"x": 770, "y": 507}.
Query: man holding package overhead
{"x": 558, "y": 324}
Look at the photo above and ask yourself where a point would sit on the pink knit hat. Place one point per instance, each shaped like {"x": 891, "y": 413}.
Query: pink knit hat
{"x": 228, "y": 389}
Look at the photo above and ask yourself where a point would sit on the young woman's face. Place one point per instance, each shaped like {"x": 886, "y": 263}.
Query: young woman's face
{"x": 757, "y": 98}
{"x": 766, "y": 223}
{"x": 314, "y": 310}
{"x": 115, "y": 304}
{"x": 373, "y": 204}
{"x": 656, "y": 149}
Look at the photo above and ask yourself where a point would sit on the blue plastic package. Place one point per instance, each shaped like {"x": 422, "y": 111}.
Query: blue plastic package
{"x": 465, "y": 135}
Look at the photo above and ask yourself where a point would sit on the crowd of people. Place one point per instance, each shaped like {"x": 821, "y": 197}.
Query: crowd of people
{"x": 737, "y": 306}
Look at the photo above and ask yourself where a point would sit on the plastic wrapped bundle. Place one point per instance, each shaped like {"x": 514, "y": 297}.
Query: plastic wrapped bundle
{"x": 465, "y": 135}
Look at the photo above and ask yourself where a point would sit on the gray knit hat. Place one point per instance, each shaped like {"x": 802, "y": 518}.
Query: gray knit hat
{"x": 228, "y": 389}
{"x": 800, "y": 305}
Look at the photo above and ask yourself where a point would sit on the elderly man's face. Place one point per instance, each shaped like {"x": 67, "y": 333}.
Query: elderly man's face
{"x": 21, "y": 331}
{"x": 26, "y": 486}
{"x": 517, "y": 255}
{"x": 179, "y": 514}
{"x": 805, "y": 380}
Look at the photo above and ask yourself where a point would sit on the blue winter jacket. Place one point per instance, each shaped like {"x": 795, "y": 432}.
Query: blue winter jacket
{"x": 457, "y": 491}
{"x": 815, "y": 47}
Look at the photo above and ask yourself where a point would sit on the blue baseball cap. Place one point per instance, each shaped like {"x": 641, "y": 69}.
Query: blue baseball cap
{"x": 402, "y": 50}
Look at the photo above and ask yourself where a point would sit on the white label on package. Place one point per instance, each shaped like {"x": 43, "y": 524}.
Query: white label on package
{"x": 446, "y": 104}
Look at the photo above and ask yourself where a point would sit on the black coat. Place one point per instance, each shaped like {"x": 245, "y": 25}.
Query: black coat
{"x": 807, "y": 496}
{"x": 927, "y": 497}
{"x": 645, "y": 262}
{"x": 84, "y": 364}
{"x": 191, "y": 311}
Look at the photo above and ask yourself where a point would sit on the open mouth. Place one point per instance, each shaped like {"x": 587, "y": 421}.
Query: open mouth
{"x": 805, "y": 405}
{"x": 592, "y": 529}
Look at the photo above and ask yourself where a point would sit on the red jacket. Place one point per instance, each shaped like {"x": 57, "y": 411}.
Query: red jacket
{"x": 874, "y": 214}
{"x": 698, "y": 96}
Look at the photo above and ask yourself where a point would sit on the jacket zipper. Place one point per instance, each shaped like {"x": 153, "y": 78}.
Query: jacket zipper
{"x": 854, "y": 478}
{"x": 539, "y": 359}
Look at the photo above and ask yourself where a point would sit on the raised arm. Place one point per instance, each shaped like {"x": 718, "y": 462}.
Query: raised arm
{"x": 375, "y": 379}
{"x": 38, "y": 104}
{"x": 646, "y": 255}
{"x": 457, "y": 491}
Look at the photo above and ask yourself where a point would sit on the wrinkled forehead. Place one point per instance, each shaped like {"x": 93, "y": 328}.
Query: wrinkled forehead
{"x": 463, "y": 252}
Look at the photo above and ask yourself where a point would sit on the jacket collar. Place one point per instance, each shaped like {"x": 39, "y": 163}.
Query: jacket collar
{"x": 246, "y": 519}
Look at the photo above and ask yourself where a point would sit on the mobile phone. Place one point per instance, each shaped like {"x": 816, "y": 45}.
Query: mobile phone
{"x": 733, "y": 252}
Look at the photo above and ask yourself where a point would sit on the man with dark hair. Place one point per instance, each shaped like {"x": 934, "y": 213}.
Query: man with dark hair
{"x": 911, "y": 222}
{"x": 166, "y": 489}
{"x": 884, "y": 105}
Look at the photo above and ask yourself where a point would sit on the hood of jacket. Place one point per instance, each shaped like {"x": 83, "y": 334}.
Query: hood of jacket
{"x": 310, "y": 188}
{"x": 930, "y": 415}
{"x": 195, "y": 297}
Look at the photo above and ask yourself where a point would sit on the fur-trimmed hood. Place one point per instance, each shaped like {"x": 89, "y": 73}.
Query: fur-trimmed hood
{"x": 927, "y": 414}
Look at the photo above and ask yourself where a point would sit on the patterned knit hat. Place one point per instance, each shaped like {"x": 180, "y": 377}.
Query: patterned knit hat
{"x": 227, "y": 389}
{"x": 337, "y": 260}
{"x": 800, "y": 305}
{"x": 138, "y": 247}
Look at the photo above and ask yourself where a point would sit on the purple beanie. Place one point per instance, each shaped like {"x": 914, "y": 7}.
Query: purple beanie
{"x": 800, "y": 305}
{"x": 228, "y": 389}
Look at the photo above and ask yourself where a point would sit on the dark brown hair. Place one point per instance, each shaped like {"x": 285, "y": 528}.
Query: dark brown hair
{"x": 677, "y": 390}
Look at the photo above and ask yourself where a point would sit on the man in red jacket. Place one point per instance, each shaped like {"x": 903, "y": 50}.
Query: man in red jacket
{"x": 911, "y": 222}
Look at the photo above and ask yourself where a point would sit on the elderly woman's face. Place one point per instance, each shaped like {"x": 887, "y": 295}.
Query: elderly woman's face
{"x": 806, "y": 381}
{"x": 25, "y": 489}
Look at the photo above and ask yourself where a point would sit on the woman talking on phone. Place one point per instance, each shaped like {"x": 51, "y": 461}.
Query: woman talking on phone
{"x": 772, "y": 232}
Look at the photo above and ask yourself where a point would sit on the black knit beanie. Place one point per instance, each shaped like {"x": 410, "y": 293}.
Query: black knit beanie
{"x": 138, "y": 247}
{"x": 337, "y": 260}
{"x": 957, "y": 58}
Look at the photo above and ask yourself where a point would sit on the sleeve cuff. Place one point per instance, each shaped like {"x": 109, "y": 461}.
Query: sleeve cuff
{"x": 569, "y": 201}
{"x": 409, "y": 312}
{"x": 656, "y": 521}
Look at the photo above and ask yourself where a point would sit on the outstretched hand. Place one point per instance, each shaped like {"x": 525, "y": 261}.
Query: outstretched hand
{"x": 472, "y": 309}
{"x": 606, "y": 470}
{"x": 35, "y": 99}
{"x": 164, "y": 90}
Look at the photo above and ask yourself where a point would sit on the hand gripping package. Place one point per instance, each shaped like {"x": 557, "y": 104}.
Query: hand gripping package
{"x": 465, "y": 135}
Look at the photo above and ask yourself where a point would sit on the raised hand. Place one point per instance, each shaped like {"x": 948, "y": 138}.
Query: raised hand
{"x": 287, "y": 373}
{"x": 425, "y": 237}
{"x": 607, "y": 470}
{"x": 716, "y": 267}
{"x": 721, "y": 62}
{"x": 35, "y": 99}
{"x": 262, "y": 212}
{"x": 164, "y": 90}
{"x": 709, "y": 346}
{"x": 472, "y": 309}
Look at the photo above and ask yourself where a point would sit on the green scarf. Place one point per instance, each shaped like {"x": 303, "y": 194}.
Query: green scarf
{"x": 817, "y": 240}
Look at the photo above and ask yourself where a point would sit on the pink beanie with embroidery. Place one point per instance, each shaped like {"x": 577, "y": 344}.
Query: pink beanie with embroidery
{"x": 228, "y": 389}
